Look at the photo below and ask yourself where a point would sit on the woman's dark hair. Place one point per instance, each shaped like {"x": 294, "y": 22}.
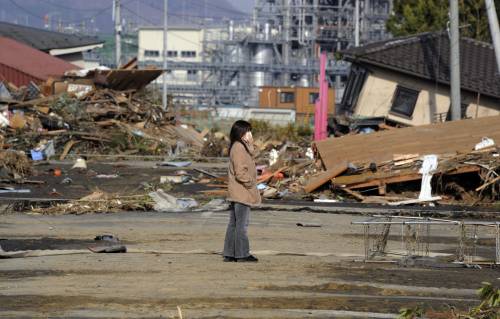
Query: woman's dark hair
{"x": 239, "y": 129}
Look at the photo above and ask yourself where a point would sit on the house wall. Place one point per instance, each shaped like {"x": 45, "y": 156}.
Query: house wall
{"x": 269, "y": 97}
{"x": 432, "y": 104}
{"x": 178, "y": 39}
{"x": 74, "y": 58}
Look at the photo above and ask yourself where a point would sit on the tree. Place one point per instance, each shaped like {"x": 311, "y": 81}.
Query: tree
{"x": 416, "y": 16}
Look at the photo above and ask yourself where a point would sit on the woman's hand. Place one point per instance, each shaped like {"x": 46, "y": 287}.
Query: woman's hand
{"x": 248, "y": 138}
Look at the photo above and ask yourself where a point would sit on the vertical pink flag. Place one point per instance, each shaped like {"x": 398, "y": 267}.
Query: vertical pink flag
{"x": 321, "y": 106}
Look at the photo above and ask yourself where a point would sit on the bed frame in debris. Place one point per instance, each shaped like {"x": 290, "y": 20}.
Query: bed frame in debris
{"x": 415, "y": 236}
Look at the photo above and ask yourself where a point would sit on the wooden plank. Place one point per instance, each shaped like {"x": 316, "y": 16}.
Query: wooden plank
{"x": 354, "y": 194}
{"x": 404, "y": 177}
{"x": 443, "y": 138}
{"x": 496, "y": 179}
{"x": 324, "y": 177}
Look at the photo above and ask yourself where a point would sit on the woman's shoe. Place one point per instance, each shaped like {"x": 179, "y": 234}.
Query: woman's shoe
{"x": 229, "y": 259}
{"x": 247, "y": 259}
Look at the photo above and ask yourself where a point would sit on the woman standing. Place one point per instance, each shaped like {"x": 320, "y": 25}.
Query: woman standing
{"x": 243, "y": 193}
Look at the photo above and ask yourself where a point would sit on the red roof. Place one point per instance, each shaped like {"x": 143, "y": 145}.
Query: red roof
{"x": 20, "y": 64}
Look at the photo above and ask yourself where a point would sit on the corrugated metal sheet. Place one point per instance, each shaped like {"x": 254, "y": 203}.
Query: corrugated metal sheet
{"x": 16, "y": 77}
{"x": 21, "y": 64}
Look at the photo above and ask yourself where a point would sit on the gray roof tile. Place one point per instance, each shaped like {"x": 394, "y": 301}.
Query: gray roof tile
{"x": 427, "y": 55}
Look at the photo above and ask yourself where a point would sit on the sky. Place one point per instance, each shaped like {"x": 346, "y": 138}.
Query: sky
{"x": 244, "y": 5}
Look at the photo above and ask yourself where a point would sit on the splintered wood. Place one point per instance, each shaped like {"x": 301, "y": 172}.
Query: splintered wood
{"x": 443, "y": 138}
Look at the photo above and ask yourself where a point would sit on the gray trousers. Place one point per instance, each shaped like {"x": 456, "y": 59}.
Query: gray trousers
{"x": 236, "y": 243}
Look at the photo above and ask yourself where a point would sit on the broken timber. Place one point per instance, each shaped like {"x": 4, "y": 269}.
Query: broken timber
{"x": 443, "y": 138}
{"x": 325, "y": 177}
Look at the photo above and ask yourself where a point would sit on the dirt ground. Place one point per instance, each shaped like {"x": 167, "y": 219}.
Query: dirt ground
{"x": 173, "y": 261}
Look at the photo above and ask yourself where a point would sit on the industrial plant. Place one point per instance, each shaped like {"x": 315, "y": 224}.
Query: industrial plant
{"x": 278, "y": 47}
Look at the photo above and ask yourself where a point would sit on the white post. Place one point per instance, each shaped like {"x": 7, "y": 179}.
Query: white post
{"x": 454, "y": 61}
{"x": 118, "y": 33}
{"x": 356, "y": 23}
{"x": 494, "y": 30}
{"x": 165, "y": 32}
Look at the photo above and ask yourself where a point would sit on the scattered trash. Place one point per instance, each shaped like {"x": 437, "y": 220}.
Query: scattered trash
{"x": 67, "y": 180}
{"x": 57, "y": 172}
{"x": 261, "y": 186}
{"x": 109, "y": 176}
{"x": 175, "y": 164}
{"x": 325, "y": 200}
{"x": 168, "y": 203}
{"x": 273, "y": 157}
{"x": 80, "y": 163}
{"x": 429, "y": 165}
{"x": 177, "y": 179}
{"x": 485, "y": 143}
{"x": 215, "y": 205}
{"x": 6, "y": 190}
{"x": 107, "y": 237}
{"x": 308, "y": 225}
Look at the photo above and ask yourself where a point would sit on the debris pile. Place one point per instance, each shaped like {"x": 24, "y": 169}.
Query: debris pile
{"x": 467, "y": 167}
{"x": 14, "y": 165}
{"x": 109, "y": 114}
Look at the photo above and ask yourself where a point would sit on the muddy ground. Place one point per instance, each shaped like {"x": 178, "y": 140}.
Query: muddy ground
{"x": 172, "y": 261}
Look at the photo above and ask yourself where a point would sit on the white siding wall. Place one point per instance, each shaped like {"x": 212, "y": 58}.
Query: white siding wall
{"x": 178, "y": 40}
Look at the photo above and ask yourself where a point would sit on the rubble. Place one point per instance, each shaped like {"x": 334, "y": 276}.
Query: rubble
{"x": 110, "y": 113}
{"x": 106, "y": 112}
{"x": 393, "y": 158}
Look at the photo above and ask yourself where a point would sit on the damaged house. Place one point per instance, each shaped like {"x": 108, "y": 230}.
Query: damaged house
{"x": 68, "y": 47}
{"x": 407, "y": 80}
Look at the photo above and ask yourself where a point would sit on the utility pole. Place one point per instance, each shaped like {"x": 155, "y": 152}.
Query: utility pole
{"x": 454, "y": 62}
{"x": 356, "y": 23}
{"x": 118, "y": 32}
{"x": 165, "y": 31}
{"x": 495, "y": 32}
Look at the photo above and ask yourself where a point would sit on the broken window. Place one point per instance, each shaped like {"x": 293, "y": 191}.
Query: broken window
{"x": 404, "y": 101}
{"x": 287, "y": 97}
{"x": 152, "y": 53}
{"x": 313, "y": 97}
{"x": 355, "y": 83}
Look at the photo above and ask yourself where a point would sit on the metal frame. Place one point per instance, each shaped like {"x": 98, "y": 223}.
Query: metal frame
{"x": 291, "y": 31}
{"x": 466, "y": 245}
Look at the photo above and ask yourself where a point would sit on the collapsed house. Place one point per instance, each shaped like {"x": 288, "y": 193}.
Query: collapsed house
{"x": 406, "y": 80}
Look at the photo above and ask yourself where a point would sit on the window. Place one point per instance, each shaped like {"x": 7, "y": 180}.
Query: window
{"x": 404, "y": 101}
{"x": 313, "y": 97}
{"x": 192, "y": 75}
{"x": 287, "y": 97}
{"x": 172, "y": 54}
{"x": 355, "y": 83}
{"x": 188, "y": 54}
{"x": 152, "y": 53}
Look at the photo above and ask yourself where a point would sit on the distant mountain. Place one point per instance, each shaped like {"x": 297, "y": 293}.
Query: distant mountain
{"x": 95, "y": 16}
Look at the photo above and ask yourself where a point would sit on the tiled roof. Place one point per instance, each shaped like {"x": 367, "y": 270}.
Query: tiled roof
{"x": 427, "y": 56}
{"x": 45, "y": 40}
